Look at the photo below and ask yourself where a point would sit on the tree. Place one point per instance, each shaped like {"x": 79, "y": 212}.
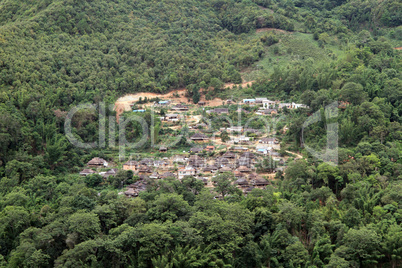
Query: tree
{"x": 216, "y": 83}
{"x": 361, "y": 246}
{"x": 223, "y": 183}
{"x": 224, "y": 136}
{"x": 322, "y": 251}
{"x": 196, "y": 95}
{"x": 295, "y": 255}
{"x": 392, "y": 244}
{"x": 13, "y": 220}
{"x": 169, "y": 207}
{"x": 337, "y": 262}
{"x": 93, "y": 180}
{"x": 83, "y": 226}
{"x": 353, "y": 93}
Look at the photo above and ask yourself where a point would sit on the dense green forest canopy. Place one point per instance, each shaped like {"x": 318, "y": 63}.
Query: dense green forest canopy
{"x": 57, "y": 54}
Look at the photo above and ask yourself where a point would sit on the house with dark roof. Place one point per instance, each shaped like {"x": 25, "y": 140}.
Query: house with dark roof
{"x": 172, "y": 117}
{"x": 87, "y": 172}
{"x": 219, "y": 111}
{"x": 196, "y": 149}
{"x": 196, "y": 161}
{"x": 130, "y": 165}
{"x": 97, "y": 162}
{"x": 199, "y": 137}
{"x": 168, "y": 175}
{"x": 229, "y": 155}
{"x": 111, "y": 172}
{"x": 180, "y": 108}
{"x": 260, "y": 182}
{"x": 211, "y": 169}
{"x": 222, "y": 162}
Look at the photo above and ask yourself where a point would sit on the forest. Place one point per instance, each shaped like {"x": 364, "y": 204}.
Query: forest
{"x": 56, "y": 54}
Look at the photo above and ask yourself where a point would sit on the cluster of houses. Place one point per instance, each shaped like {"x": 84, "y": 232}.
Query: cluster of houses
{"x": 266, "y": 107}
{"x": 239, "y": 160}
{"x": 242, "y": 164}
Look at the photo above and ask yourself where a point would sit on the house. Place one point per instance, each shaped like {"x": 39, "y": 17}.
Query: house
{"x": 248, "y": 101}
{"x": 229, "y": 101}
{"x": 154, "y": 175}
{"x": 144, "y": 170}
{"x": 187, "y": 171}
{"x": 179, "y": 159}
{"x": 130, "y": 165}
{"x": 139, "y": 111}
{"x": 238, "y": 174}
{"x": 147, "y": 162}
{"x": 163, "y": 103}
{"x": 263, "y": 150}
{"x": 298, "y": 105}
{"x": 252, "y": 176}
{"x": 199, "y": 137}
{"x": 222, "y": 162}
{"x": 269, "y": 141}
{"x": 196, "y": 150}
{"x": 260, "y": 182}
{"x": 241, "y": 139}
{"x": 211, "y": 169}
{"x": 172, "y": 117}
{"x": 252, "y": 131}
{"x": 180, "y": 108}
{"x": 268, "y": 104}
{"x": 97, "y": 162}
{"x": 243, "y": 169}
{"x": 202, "y": 103}
{"x": 143, "y": 176}
{"x": 242, "y": 182}
{"x": 168, "y": 175}
{"x": 225, "y": 169}
{"x": 196, "y": 161}
{"x": 87, "y": 172}
{"x": 249, "y": 155}
{"x": 229, "y": 155}
{"x": 244, "y": 161}
{"x": 260, "y": 100}
{"x": 210, "y": 148}
{"x": 267, "y": 112}
{"x": 163, "y": 149}
{"x": 235, "y": 129}
{"x": 240, "y": 149}
{"x": 112, "y": 172}
{"x": 130, "y": 192}
{"x": 219, "y": 111}
{"x": 161, "y": 164}
{"x": 135, "y": 188}
{"x": 283, "y": 105}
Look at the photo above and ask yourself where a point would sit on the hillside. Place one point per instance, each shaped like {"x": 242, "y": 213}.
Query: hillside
{"x": 224, "y": 176}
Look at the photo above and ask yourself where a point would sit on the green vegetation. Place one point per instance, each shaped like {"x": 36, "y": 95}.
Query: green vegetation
{"x": 58, "y": 54}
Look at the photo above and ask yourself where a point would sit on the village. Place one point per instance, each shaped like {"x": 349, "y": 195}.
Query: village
{"x": 252, "y": 155}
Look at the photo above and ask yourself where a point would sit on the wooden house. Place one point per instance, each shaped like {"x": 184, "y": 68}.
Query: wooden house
{"x": 97, "y": 162}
